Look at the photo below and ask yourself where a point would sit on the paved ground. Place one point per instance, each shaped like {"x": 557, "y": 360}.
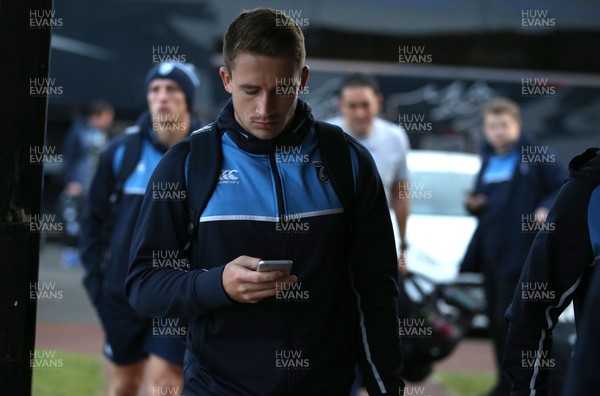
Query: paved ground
{"x": 70, "y": 324}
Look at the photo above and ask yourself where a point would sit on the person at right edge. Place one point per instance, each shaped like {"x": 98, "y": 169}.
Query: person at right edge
{"x": 514, "y": 190}
{"x": 242, "y": 339}
{"x": 561, "y": 263}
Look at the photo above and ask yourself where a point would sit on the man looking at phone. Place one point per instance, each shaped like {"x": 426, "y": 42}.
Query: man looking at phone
{"x": 246, "y": 335}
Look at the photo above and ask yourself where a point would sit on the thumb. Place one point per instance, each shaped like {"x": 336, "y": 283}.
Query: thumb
{"x": 248, "y": 262}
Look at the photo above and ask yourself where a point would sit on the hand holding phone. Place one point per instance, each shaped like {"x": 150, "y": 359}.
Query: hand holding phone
{"x": 285, "y": 266}
{"x": 246, "y": 280}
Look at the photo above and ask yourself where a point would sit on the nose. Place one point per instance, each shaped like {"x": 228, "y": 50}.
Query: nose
{"x": 266, "y": 105}
{"x": 360, "y": 112}
{"x": 162, "y": 94}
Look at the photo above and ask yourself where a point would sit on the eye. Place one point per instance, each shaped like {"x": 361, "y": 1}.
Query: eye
{"x": 250, "y": 92}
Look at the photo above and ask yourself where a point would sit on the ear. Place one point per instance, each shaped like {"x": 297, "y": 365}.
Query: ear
{"x": 379, "y": 102}
{"x": 303, "y": 77}
{"x": 226, "y": 78}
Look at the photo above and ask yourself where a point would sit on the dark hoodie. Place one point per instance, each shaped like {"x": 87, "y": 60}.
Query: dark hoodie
{"x": 500, "y": 237}
{"x": 270, "y": 205}
{"x": 557, "y": 271}
{"x": 107, "y": 228}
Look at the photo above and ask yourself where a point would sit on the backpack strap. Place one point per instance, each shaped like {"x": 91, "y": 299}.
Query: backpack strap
{"x": 204, "y": 167}
{"x": 336, "y": 158}
{"x": 131, "y": 156}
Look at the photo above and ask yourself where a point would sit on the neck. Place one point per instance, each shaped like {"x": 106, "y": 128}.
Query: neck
{"x": 360, "y": 135}
{"x": 171, "y": 133}
{"x": 503, "y": 150}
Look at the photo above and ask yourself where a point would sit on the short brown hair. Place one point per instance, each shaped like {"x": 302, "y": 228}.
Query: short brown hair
{"x": 502, "y": 106}
{"x": 263, "y": 31}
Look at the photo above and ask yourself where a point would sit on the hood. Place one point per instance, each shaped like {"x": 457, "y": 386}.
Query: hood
{"x": 586, "y": 165}
{"x": 294, "y": 134}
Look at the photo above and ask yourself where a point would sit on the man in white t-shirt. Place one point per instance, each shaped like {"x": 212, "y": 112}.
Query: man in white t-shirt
{"x": 359, "y": 102}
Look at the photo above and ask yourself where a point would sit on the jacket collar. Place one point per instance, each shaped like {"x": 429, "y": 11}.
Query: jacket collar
{"x": 293, "y": 135}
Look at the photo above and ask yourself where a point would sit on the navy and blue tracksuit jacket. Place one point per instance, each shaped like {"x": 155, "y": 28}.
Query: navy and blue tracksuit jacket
{"x": 532, "y": 185}
{"x": 557, "y": 271}
{"x": 107, "y": 228}
{"x": 272, "y": 206}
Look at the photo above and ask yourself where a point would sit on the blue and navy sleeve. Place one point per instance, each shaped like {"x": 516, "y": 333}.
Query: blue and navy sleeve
{"x": 161, "y": 226}
{"x": 559, "y": 259}
{"x": 75, "y": 156}
{"x": 374, "y": 271}
{"x": 477, "y": 187}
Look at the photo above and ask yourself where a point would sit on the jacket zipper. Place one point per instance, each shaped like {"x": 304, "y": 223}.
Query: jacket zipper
{"x": 287, "y": 309}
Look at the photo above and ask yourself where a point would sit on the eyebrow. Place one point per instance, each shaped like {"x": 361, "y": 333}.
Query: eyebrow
{"x": 249, "y": 86}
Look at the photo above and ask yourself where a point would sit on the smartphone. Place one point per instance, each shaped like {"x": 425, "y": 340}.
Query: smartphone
{"x": 284, "y": 266}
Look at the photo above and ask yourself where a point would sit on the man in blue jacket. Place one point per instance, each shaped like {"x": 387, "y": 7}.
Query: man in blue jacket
{"x": 134, "y": 342}
{"x": 82, "y": 146}
{"x": 515, "y": 188}
{"x": 266, "y": 333}
{"x": 560, "y": 268}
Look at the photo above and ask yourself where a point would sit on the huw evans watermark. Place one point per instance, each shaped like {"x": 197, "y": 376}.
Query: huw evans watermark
{"x": 537, "y": 360}
{"x": 44, "y": 291}
{"x": 415, "y": 390}
{"x": 45, "y": 222}
{"x": 168, "y": 327}
{"x": 537, "y": 155}
{"x": 167, "y": 53}
{"x": 169, "y": 123}
{"x": 414, "y": 123}
{"x": 291, "y": 291}
{"x": 44, "y": 19}
{"x": 292, "y": 223}
{"x": 291, "y": 359}
{"x": 166, "y": 390}
{"x": 537, "y": 87}
{"x": 45, "y": 359}
{"x": 282, "y": 21}
{"x": 290, "y": 86}
{"x": 168, "y": 191}
{"x": 414, "y": 328}
{"x": 291, "y": 155}
{"x": 414, "y": 190}
{"x": 535, "y": 223}
{"x": 39, "y": 155}
{"x": 45, "y": 86}
{"x": 414, "y": 55}
{"x": 537, "y": 292}
{"x": 537, "y": 20}
{"x": 169, "y": 259}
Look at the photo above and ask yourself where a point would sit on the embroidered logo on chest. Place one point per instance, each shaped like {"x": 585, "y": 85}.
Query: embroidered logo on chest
{"x": 321, "y": 171}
